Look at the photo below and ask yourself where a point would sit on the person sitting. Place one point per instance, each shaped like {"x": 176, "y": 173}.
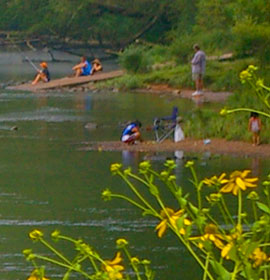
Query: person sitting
{"x": 43, "y": 75}
{"x": 96, "y": 66}
{"x": 84, "y": 68}
{"x": 131, "y": 133}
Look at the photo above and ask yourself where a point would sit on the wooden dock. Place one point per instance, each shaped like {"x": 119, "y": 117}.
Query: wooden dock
{"x": 68, "y": 82}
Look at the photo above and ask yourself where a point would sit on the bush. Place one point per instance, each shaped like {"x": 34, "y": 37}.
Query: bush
{"x": 135, "y": 59}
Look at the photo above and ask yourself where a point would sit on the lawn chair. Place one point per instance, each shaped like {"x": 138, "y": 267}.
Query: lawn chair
{"x": 164, "y": 127}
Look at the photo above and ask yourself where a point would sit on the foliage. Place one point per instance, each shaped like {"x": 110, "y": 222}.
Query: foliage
{"x": 135, "y": 59}
{"x": 262, "y": 93}
{"x": 227, "y": 242}
{"x": 84, "y": 256}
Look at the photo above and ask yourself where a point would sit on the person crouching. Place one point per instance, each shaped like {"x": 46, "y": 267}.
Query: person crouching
{"x": 131, "y": 133}
{"x": 43, "y": 75}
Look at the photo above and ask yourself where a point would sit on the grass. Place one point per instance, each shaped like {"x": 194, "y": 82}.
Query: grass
{"x": 220, "y": 76}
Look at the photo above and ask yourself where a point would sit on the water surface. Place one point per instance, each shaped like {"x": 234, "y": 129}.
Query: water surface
{"x": 48, "y": 183}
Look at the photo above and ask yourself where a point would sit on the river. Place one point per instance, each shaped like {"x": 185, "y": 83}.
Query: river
{"x": 48, "y": 182}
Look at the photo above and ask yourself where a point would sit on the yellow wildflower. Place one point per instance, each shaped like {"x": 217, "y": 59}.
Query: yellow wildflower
{"x": 114, "y": 268}
{"x": 238, "y": 181}
{"x": 35, "y": 235}
{"x": 214, "y": 180}
{"x": 115, "y": 167}
{"x": 35, "y": 275}
{"x": 172, "y": 219}
{"x": 223, "y": 112}
{"x": 245, "y": 75}
{"x": 212, "y": 234}
{"x": 135, "y": 260}
{"x": 121, "y": 242}
{"x": 258, "y": 256}
{"x": 252, "y": 68}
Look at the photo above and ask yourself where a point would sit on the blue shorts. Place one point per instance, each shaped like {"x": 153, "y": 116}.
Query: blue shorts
{"x": 85, "y": 72}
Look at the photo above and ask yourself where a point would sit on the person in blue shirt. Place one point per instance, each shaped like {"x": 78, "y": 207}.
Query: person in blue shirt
{"x": 131, "y": 133}
{"x": 84, "y": 68}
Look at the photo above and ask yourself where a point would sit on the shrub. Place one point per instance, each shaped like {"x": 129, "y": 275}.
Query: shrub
{"x": 135, "y": 59}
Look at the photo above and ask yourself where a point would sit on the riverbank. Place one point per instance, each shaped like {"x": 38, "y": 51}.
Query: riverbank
{"x": 216, "y": 146}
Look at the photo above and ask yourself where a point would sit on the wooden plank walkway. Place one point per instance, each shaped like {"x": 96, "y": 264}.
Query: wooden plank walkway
{"x": 66, "y": 82}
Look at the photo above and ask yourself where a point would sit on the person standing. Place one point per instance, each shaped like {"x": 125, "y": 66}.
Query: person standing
{"x": 198, "y": 68}
{"x": 255, "y": 126}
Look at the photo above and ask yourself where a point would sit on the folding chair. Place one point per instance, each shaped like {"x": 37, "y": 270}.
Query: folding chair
{"x": 164, "y": 127}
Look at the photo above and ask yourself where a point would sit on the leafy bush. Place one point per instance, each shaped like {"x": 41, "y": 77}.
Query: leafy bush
{"x": 135, "y": 59}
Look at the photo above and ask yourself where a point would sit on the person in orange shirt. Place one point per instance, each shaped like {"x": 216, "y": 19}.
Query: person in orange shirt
{"x": 43, "y": 75}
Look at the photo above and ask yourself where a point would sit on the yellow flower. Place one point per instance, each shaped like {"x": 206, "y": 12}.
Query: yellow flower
{"x": 214, "y": 181}
{"x": 135, "y": 260}
{"x": 114, "y": 268}
{"x": 115, "y": 167}
{"x": 35, "y": 235}
{"x": 245, "y": 75}
{"x": 172, "y": 219}
{"x": 223, "y": 112}
{"x": 258, "y": 256}
{"x": 252, "y": 68}
{"x": 121, "y": 242}
{"x": 238, "y": 181}
{"x": 35, "y": 275}
{"x": 189, "y": 163}
{"x": 212, "y": 234}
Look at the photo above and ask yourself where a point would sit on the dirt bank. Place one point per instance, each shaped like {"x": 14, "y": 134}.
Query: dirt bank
{"x": 208, "y": 95}
{"x": 217, "y": 146}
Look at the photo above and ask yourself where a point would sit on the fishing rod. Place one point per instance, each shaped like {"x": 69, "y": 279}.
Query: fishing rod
{"x": 23, "y": 55}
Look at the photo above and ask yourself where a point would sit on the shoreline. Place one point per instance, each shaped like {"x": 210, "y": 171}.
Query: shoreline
{"x": 217, "y": 146}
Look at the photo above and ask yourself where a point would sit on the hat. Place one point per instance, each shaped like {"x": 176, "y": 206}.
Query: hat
{"x": 44, "y": 64}
{"x": 96, "y": 60}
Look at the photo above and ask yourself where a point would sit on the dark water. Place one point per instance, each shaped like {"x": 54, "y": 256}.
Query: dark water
{"x": 48, "y": 183}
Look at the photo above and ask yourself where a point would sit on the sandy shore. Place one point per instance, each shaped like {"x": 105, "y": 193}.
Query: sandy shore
{"x": 207, "y": 96}
{"x": 217, "y": 146}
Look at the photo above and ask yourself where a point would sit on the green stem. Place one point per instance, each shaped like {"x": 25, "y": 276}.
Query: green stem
{"x": 129, "y": 200}
{"x": 93, "y": 263}
{"x": 239, "y": 220}
{"x": 223, "y": 213}
{"x": 139, "y": 195}
{"x": 206, "y": 266}
{"x": 248, "y": 110}
{"x": 227, "y": 210}
{"x": 235, "y": 271}
{"x": 46, "y": 244}
{"x": 255, "y": 213}
{"x": 63, "y": 265}
{"x": 132, "y": 264}
{"x": 175, "y": 230}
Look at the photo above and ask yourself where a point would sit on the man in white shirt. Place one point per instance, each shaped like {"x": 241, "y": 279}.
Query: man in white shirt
{"x": 198, "y": 68}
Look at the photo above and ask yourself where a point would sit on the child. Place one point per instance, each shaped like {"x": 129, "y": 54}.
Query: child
{"x": 131, "y": 133}
{"x": 96, "y": 66}
{"x": 43, "y": 74}
{"x": 255, "y": 125}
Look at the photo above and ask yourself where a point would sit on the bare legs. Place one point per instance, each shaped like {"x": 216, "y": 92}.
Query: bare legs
{"x": 39, "y": 77}
{"x": 256, "y": 139}
{"x": 199, "y": 83}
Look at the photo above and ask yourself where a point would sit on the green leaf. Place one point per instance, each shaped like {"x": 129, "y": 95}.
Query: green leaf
{"x": 263, "y": 207}
{"x": 153, "y": 190}
{"x": 219, "y": 269}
